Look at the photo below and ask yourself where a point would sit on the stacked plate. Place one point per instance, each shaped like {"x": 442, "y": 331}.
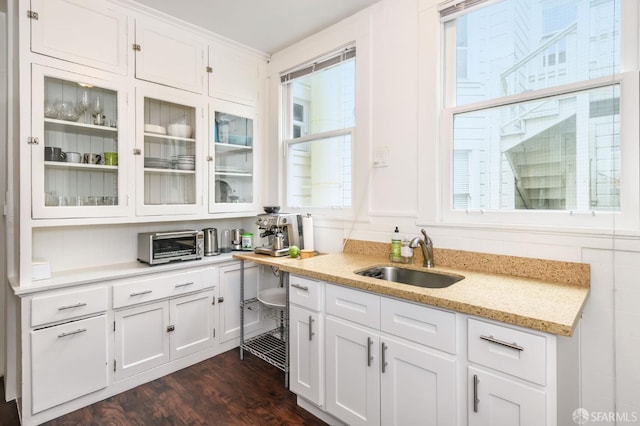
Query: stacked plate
{"x": 184, "y": 162}
{"x": 152, "y": 128}
{"x": 157, "y": 163}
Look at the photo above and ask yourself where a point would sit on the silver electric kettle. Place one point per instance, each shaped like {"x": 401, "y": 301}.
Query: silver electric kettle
{"x": 211, "y": 242}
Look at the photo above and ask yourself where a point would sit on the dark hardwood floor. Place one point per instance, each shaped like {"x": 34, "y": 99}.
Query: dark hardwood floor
{"x": 219, "y": 391}
{"x": 8, "y": 410}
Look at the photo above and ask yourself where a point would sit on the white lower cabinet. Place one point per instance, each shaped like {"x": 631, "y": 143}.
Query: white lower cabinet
{"x": 501, "y": 401}
{"x": 352, "y": 372}
{"x": 151, "y": 335}
{"x": 306, "y": 335}
{"x": 417, "y": 385}
{"x": 392, "y": 362}
{"x": 373, "y": 377}
{"x": 306, "y": 348}
{"x": 229, "y": 302}
{"x": 507, "y": 376}
{"x": 68, "y": 361}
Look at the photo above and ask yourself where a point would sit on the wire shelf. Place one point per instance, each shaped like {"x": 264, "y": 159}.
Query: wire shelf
{"x": 270, "y": 347}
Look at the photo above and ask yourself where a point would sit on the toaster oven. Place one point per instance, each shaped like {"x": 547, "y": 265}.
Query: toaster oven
{"x": 156, "y": 248}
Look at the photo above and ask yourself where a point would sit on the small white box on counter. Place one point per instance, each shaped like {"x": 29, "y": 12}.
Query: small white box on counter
{"x": 40, "y": 270}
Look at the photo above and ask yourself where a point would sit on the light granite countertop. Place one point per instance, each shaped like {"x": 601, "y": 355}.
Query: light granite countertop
{"x": 540, "y": 304}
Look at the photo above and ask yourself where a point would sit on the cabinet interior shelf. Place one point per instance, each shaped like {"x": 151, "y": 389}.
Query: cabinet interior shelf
{"x": 233, "y": 174}
{"x": 55, "y": 122}
{"x": 167, "y": 137}
{"x": 169, "y": 171}
{"x": 81, "y": 166}
{"x": 228, "y": 147}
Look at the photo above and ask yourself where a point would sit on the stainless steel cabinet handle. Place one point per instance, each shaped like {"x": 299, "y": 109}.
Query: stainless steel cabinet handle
{"x": 476, "y": 401}
{"x": 311, "y": 333}
{"x": 140, "y": 293}
{"x": 71, "y": 333}
{"x": 369, "y": 356}
{"x": 502, "y": 343}
{"x": 384, "y": 357}
{"x": 300, "y": 287}
{"x": 77, "y": 305}
{"x": 184, "y": 284}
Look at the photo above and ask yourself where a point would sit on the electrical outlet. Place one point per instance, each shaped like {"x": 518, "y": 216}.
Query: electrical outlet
{"x": 381, "y": 156}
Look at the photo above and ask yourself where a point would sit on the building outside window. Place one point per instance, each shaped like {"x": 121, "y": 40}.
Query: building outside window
{"x": 319, "y": 123}
{"x": 532, "y": 117}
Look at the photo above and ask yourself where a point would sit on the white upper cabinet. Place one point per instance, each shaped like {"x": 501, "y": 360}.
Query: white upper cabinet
{"x": 77, "y": 161}
{"x": 169, "y": 139}
{"x": 169, "y": 56}
{"x": 87, "y": 32}
{"x": 233, "y": 75}
{"x": 232, "y": 157}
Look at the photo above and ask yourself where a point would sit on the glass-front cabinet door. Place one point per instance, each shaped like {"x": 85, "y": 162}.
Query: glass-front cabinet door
{"x": 232, "y": 157}
{"x": 169, "y": 163}
{"x": 76, "y": 124}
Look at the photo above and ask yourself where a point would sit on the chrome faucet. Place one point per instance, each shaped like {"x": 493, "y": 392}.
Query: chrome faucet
{"x": 427, "y": 248}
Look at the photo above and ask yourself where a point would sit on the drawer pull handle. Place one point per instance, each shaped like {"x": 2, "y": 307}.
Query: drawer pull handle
{"x": 311, "y": 333}
{"x": 300, "y": 287}
{"x": 71, "y": 333}
{"x": 502, "y": 343}
{"x": 384, "y": 356}
{"x": 140, "y": 293}
{"x": 476, "y": 401}
{"x": 77, "y": 305}
{"x": 184, "y": 284}
{"x": 369, "y": 356}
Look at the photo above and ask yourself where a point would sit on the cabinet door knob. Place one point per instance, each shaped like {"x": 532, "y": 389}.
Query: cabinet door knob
{"x": 220, "y": 299}
{"x": 171, "y": 328}
{"x": 137, "y": 151}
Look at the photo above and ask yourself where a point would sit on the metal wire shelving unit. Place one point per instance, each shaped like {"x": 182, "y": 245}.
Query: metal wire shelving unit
{"x": 271, "y": 346}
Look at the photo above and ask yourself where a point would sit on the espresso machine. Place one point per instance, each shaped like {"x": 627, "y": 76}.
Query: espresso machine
{"x": 282, "y": 231}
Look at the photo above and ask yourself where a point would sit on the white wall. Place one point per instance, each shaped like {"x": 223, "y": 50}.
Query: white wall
{"x": 3, "y": 181}
{"x": 401, "y": 111}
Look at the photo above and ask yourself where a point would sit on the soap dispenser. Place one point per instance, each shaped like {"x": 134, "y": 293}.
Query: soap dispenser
{"x": 395, "y": 254}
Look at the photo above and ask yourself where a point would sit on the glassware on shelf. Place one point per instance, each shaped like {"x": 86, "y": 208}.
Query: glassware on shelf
{"x": 82, "y": 105}
{"x": 50, "y": 110}
{"x": 97, "y": 108}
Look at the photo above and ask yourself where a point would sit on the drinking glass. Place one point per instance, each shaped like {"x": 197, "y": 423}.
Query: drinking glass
{"x": 82, "y": 105}
{"x": 97, "y": 108}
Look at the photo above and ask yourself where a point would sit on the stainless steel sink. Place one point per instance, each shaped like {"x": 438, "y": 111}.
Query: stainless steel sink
{"x": 419, "y": 278}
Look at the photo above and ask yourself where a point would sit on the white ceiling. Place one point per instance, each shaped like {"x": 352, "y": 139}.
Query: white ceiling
{"x": 265, "y": 25}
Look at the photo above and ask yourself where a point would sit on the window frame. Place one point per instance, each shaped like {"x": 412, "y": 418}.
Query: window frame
{"x": 287, "y": 140}
{"x": 628, "y": 215}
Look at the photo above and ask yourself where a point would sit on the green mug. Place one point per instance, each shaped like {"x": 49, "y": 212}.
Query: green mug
{"x": 110, "y": 158}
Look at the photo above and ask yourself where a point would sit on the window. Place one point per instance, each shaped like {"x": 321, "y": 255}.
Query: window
{"x": 533, "y": 117}
{"x": 319, "y": 122}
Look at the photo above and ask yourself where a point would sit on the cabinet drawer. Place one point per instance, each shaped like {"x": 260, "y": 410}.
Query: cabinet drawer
{"x": 353, "y": 305}
{"x": 421, "y": 324}
{"x": 505, "y": 349}
{"x": 156, "y": 287}
{"x": 305, "y": 292}
{"x": 62, "y": 306}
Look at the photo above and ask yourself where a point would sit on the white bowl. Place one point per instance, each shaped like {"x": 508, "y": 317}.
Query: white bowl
{"x": 179, "y": 130}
